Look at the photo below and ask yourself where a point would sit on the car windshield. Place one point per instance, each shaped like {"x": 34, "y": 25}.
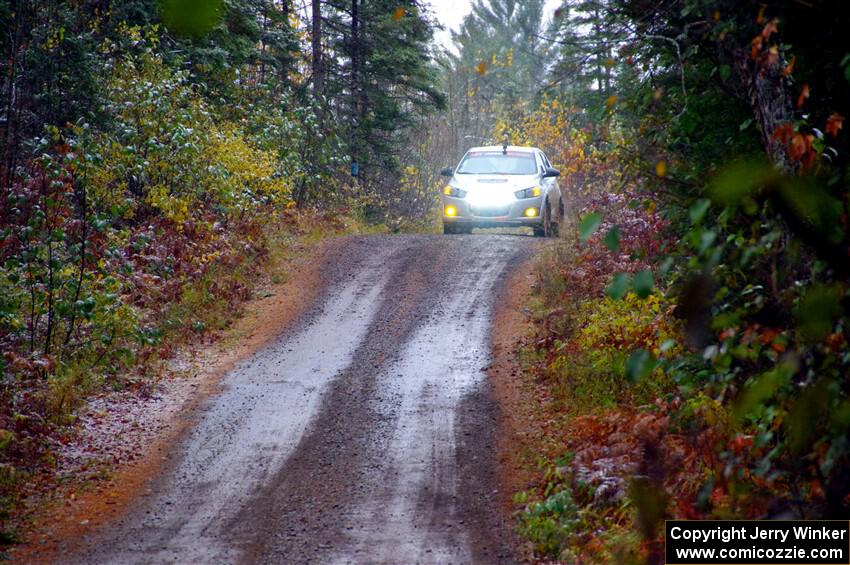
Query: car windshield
{"x": 498, "y": 163}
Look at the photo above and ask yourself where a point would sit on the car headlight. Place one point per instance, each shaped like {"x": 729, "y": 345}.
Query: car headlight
{"x": 528, "y": 192}
{"x": 454, "y": 191}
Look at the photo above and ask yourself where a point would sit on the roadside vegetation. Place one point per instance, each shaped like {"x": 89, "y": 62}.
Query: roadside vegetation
{"x": 157, "y": 160}
{"x": 690, "y": 349}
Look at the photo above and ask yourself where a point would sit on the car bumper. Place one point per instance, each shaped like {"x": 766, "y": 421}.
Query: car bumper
{"x": 461, "y": 211}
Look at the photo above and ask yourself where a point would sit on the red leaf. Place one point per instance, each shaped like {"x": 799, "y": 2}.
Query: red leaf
{"x": 771, "y": 28}
{"x": 740, "y": 443}
{"x": 783, "y": 133}
{"x": 767, "y": 335}
{"x": 804, "y": 94}
{"x": 834, "y": 123}
{"x": 801, "y": 149}
{"x": 789, "y": 68}
{"x": 756, "y": 47}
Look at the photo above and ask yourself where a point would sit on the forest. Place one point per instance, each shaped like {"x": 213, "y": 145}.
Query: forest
{"x": 690, "y": 351}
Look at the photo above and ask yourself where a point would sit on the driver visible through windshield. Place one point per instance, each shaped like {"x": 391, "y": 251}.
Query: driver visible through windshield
{"x": 498, "y": 163}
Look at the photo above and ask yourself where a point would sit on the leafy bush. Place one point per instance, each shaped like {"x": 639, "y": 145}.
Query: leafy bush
{"x": 737, "y": 327}
{"x": 549, "y": 523}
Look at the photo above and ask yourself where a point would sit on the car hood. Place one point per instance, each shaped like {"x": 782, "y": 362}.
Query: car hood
{"x": 494, "y": 183}
{"x": 493, "y": 190}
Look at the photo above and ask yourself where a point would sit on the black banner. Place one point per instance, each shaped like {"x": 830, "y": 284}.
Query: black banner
{"x": 758, "y": 542}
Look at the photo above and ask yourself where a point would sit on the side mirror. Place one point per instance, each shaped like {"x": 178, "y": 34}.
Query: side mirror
{"x": 447, "y": 172}
{"x": 550, "y": 172}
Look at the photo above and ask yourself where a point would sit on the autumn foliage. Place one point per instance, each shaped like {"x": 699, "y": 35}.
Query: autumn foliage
{"x": 691, "y": 331}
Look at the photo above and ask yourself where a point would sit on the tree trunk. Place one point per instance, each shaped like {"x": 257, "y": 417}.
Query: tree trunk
{"x": 9, "y": 137}
{"x": 318, "y": 70}
{"x": 262, "y": 46}
{"x": 285, "y": 10}
{"x": 355, "y": 78}
{"x": 767, "y": 91}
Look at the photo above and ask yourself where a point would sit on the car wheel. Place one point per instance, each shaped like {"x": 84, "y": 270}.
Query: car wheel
{"x": 449, "y": 229}
{"x": 549, "y": 227}
{"x": 560, "y": 221}
{"x": 539, "y": 231}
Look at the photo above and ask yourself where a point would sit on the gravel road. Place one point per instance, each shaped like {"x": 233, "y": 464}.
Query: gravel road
{"x": 363, "y": 434}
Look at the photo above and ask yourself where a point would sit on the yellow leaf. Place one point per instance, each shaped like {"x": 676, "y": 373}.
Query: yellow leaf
{"x": 661, "y": 168}
{"x": 399, "y": 13}
{"x": 481, "y": 68}
{"x": 610, "y": 101}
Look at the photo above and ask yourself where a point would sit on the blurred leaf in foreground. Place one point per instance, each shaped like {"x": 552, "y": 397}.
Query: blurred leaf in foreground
{"x": 740, "y": 181}
{"x": 643, "y": 283}
{"x": 619, "y": 286}
{"x": 817, "y": 311}
{"x": 698, "y": 209}
{"x": 761, "y": 389}
{"x": 194, "y": 18}
{"x": 812, "y": 211}
{"x": 612, "y": 238}
{"x": 640, "y": 365}
{"x": 807, "y": 414}
{"x": 589, "y": 224}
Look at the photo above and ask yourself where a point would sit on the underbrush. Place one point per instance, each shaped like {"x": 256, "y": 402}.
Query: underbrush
{"x": 591, "y": 367}
{"x": 655, "y": 417}
{"x": 609, "y": 409}
{"x": 206, "y": 288}
{"x": 722, "y": 391}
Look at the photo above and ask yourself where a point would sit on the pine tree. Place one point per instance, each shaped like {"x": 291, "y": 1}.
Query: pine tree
{"x": 586, "y": 35}
{"x": 382, "y": 77}
{"x": 499, "y": 68}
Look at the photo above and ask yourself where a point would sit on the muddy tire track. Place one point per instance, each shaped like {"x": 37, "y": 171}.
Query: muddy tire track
{"x": 365, "y": 434}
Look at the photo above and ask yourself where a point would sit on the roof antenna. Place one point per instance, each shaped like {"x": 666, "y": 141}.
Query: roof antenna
{"x": 505, "y": 147}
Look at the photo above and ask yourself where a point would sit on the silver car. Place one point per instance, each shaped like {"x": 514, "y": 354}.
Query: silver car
{"x": 502, "y": 186}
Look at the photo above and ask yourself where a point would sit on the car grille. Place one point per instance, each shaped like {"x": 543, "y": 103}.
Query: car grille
{"x": 490, "y": 212}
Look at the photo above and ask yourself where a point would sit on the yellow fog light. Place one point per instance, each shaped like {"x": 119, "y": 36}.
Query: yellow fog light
{"x": 450, "y": 211}
{"x": 530, "y": 212}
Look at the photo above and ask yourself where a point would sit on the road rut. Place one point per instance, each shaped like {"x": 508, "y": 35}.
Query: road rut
{"x": 364, "y": 434}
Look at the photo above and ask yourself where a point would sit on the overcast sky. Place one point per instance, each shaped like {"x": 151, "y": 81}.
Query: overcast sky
{"x": 450, "y": 13}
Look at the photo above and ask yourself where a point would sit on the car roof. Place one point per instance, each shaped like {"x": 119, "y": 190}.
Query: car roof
{"x": 514, "y": 148}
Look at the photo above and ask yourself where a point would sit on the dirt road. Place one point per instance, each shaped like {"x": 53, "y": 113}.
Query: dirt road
{"x": 364, "y": 434}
